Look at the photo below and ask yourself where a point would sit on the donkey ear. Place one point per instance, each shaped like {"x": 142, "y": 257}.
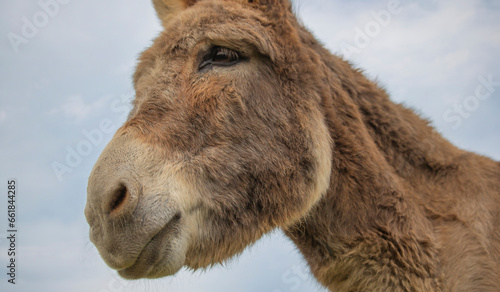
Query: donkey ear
{"x": 166, "y": 9}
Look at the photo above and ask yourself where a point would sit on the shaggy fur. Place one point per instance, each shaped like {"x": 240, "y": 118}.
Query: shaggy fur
{"x": 289, "y": 137}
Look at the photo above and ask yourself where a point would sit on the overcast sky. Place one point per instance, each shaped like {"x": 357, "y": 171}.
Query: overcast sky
{"x": 73, "y": 71}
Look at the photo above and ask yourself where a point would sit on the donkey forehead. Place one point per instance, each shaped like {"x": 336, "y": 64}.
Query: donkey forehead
{"x": 220, "y": 23}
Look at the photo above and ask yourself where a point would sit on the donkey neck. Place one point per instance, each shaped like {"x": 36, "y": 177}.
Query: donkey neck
{"x": 370, "y": 215}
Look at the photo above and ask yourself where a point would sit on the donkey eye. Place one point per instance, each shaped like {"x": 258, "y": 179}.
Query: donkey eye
{"x": 219, "y": 56}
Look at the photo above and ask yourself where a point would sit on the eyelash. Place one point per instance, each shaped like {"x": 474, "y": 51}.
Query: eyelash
{"x": 219, "y": 56}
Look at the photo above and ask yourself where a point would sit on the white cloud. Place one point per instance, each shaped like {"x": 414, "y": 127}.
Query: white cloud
{"x": 3, "y": 116}
{"x": 452, "y": 60}
{"x": 75, "y": 108}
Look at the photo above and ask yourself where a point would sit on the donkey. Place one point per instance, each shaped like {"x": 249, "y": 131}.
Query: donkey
{"x": 244, "y": 123}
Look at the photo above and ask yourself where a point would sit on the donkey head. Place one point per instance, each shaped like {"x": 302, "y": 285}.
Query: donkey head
{"x": 227, "y": 140}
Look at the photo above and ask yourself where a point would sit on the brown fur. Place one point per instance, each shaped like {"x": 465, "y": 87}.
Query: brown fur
{"x": 293, "y": 138}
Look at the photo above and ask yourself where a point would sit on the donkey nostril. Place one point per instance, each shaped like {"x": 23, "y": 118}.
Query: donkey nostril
{"x": 118, "y": 199}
